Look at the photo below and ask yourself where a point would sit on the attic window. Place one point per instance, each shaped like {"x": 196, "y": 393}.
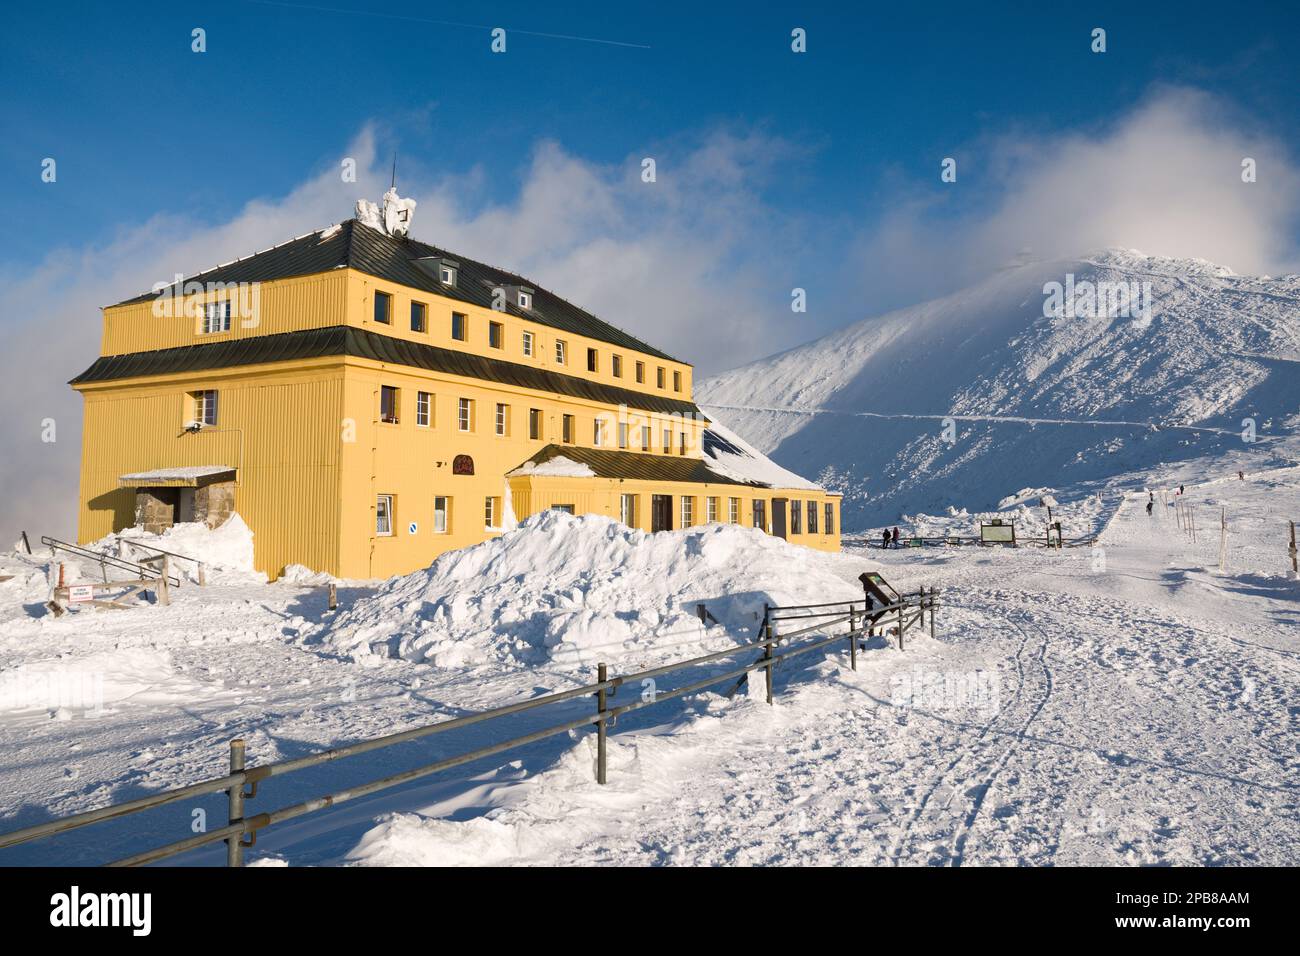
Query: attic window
{"x": 525, "y": 300}
{"x": 447, "y": 275}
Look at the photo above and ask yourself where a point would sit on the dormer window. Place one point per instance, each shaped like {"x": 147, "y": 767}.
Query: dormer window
{"x": 447, "y": 275}
{"x": 440, "y": 268}
{"x": 525, "y": 300}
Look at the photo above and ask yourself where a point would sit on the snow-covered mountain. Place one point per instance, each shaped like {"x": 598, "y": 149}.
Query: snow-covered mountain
{"x": 1096, "y": 376}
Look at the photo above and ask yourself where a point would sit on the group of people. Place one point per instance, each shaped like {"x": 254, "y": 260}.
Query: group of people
{"x": 1151, "y": 497}
{"x": 886, "y": 538}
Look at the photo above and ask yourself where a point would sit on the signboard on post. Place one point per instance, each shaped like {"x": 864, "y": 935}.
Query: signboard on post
{"x": 79, "y": 593}
{"x": 995, "y": 532}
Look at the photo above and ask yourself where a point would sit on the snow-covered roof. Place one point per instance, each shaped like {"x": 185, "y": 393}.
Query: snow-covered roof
{"x": 191, "y": 475}
{"x": 557, "y": 467}
{"x": 727, "y": 453}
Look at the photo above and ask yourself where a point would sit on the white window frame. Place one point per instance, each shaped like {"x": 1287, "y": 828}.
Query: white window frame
{"x": 528, "y": 344}
{"x": 561, "y": 352}
{"x": 465, "y": 414}
{"x": 203, "y": 405}
{"x": 447, "y": 275}
{"x": 525, "y": 300}
{"x": 711, "y": 509}
{"x": 688, "y": 511}
{"x": 384, "y": 509}
{"x": 441, "y": 512}
{"x": 423, "y": 409}
{"x": 627, "y": 510}
{"x": 216, "y": 317}
{"x": 599, "y": 436}
{"x": 502, "y": 417}
{"x": 491, "y": 520}
{"x": 733, "y": 511}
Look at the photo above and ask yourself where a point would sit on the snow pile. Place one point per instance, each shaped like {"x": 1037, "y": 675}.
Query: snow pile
{"x": 576, "y": 589}
{"x": 226, "y": 551}
{"x": 557, "y": 467}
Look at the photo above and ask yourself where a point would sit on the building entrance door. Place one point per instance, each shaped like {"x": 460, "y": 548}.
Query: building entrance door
{"x": 661, "y": 513}
{"x": 778, "y": 516}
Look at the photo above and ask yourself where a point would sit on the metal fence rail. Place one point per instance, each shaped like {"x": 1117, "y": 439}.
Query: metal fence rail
{"x": 242, "y": 783}
{"x": 143, "y": 571}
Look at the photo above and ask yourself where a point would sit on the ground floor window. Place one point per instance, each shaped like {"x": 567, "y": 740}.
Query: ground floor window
{"x": 491, "y": 513}
{"x": 733, "y": 510}
{"x": 760, "y": 514}
{"x": 710, "y": 510}
{"x": 688, "y": 511}
{"x": 384, "y": 515}
{"x": 567, "y": 509}
{"x": 830, "y": 518}
{"x": 441, "y": 514}
{"x": 627, "y": 510}
{"x": 812, "y": 517}
{"x": 796, "y": 518}
{"x": 661, "y": 512}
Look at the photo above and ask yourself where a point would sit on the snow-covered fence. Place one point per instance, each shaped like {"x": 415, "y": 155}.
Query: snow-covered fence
{"x": 242, "y": 783}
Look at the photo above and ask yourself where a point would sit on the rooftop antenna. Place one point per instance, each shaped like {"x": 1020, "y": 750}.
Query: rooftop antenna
{"x": 393, "y": 184}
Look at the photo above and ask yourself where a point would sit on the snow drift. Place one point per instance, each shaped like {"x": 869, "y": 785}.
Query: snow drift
{"x": 564, "y": 588}
{"x": 226, "y": 551}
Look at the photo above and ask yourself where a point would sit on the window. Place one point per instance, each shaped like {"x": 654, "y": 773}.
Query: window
{"x": 616, "y": 365}
{"x": 567, "y": 509}
{"x": 447, "y": 274}
{"x": 503, "y": 419}
{"x": 204, "y": 404}
{"x": 535, "y": 424}
{"x": 681, "y": 445}
{"x": 593, "y": 360}
{"x": 622, "y": 434}
{"x": 216, "y": 317}
{"x": 459, "y": 326}
{"x": 640, "y": 373}
{"x": 389, "y": 403}
{"x": 659, "y": 377}
{"x": 423, "y": 409}
{"x": 383, "y": 307}
{"x": 417, "y": 317}
{"x": 627, "y": 510}
{"x": 525, "y": 300}
{"x": 559, "y": 351}
{"x": 830, "y": 518}
{"x": 384, "y": 515}
{"x": 668, "y": 441}
{"x": 733, "y": 510}
{"x": 760, "y": 514}
{"x": 441, "y": 514}
{"x": 812, "y": 517}
{"x": 496, "y": 335}
{"x": 528, "y": 344}
{"x": 599, "y": 437}
{"x": 677, "y": 381}
{"x": 645, "y": 437}
{"x": 491, "y": 513}
{"x": 710, "y": 510}
{"x": 688, "y": 510}
{"x": 796, "y": 521}
{"x": 568, "y": 427}
{"x": 465, "y": 414}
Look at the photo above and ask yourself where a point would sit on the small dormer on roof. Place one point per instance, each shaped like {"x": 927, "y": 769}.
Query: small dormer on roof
{"x": 393, "y": 219}
{"x": 441, "y": 268}
{"x": 518, "y": 295}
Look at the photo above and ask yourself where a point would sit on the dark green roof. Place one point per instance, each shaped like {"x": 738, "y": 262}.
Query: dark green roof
{"x": 341, "y": 340}
{"x": 638, "y": 465}
{"x": 356, "y": 246}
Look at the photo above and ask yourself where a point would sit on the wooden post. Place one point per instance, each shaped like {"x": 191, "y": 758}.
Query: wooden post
{"x": 932, "y": 589}
{"x": 203, "y": 577}
{"x": 767, "y": 649}
{"x": 234, "y": 842}
{"x": 334, "y": 596}
{"x": 901, "y": 602}
{"x": 163, "y": 596}
{"x": 27, "y": 545}
{"x": 602, "y": 675}
{"x": 1295, "y": 572}
{"x": 853, "y": 637}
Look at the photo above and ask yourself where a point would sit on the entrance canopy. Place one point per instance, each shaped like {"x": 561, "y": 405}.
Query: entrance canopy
{"x": 194, "y": 476}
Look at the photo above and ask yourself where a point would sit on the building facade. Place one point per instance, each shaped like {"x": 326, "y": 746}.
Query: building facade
{"x": 366, "y": 402}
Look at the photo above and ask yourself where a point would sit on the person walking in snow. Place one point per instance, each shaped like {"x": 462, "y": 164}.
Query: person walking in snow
{"x": 1150, "y": 504}
{"x": 884, "y": 538}
{"x": 896, "y": 537}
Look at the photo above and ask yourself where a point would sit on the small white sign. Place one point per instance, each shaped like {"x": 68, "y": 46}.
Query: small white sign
{"x": 412, "y": 528}
{"x": 80, "y": 592}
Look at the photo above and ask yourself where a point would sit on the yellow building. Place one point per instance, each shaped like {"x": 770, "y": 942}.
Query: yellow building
{"x": 366, "y": 402}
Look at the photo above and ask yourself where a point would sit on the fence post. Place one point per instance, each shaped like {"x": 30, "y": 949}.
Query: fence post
{"x": 334, "y": 596}
{"x": 602, "y": 675}
{"x": 1292, "y": 551}
{"x": 901, "y": 602}
{"x": 234, "y": 842}
{"x": 767, "y": 649}
{"x": 162, "y": 583}
{"x": 932, "y": 589}
{"x": 27, "y": 544}
{"x": 203, "y": 577}
{"x": 853, "y": 637}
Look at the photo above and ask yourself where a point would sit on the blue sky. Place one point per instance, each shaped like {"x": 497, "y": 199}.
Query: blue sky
{"x": 138, "y": 122}
{"x": 776, "y": 170}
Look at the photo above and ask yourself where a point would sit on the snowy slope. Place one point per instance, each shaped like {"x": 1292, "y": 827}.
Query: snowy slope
{"x": 862, "y": 410}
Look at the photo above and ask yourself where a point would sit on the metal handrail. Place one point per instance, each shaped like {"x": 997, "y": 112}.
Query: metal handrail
{"x": 103, "y": 558}
{"x": 240, "y": 777}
